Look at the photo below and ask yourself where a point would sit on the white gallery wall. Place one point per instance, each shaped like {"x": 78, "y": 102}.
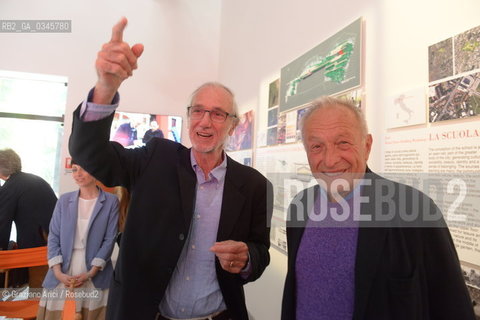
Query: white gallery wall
{"x": 181, "y": 39}
{"x": 258, "y": 38}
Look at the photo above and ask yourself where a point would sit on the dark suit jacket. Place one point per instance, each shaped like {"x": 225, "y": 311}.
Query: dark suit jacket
{"x": 403, "y": 270}
{"x": 29, "y": 201}
{"x": 162, "y": 183}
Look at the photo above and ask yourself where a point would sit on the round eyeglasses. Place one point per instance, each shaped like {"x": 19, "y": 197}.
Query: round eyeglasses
{"x": 216, "y": 115}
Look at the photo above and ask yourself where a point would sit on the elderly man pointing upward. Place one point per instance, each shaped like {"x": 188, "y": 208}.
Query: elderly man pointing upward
{"x": 196, "y": 230}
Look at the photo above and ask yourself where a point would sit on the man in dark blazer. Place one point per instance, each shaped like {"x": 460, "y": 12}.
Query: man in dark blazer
{"x": 27, "y": 200}
{"x": 389, "y": 256}
{"x": 196, "y": 230}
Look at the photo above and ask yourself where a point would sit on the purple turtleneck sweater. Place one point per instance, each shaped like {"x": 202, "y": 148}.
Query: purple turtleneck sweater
{"x": 325, "y": 265}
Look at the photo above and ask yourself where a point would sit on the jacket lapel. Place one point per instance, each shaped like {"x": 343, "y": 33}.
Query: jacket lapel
{"x": 297, "y": 221}
{"x": 73, "y": 207}
{"x": 73, "y": 213}
{"x": 232, "y": 201}
{"x": 70, "y": 227}
{"x": 369, "y": 249}
{"x": 371, "y": 241}
{"x": 98, "y": 206}
{"x": 187, "y": 181}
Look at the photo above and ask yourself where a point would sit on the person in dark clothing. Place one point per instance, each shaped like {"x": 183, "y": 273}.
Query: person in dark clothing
{"x": 153, "y": 132}
{"x": 27, "y": 200}
{"x": 355, "y": 253}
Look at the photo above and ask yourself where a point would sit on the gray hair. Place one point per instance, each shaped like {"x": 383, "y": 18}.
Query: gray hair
{"x": 10, "y": 162}
{"x": 326, "y": 102}
{"x": 214, "y": 84}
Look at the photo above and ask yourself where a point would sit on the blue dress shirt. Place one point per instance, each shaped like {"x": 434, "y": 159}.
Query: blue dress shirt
{"x": 193, "y": 290}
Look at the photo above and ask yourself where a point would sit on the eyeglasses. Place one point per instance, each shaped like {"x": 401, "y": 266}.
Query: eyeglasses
{"x": 197, "y": 113}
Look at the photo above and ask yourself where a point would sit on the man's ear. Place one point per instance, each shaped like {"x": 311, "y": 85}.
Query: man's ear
{"x": 368, "y": 145}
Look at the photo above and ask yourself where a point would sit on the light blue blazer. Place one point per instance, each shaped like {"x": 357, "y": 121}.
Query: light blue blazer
{"x": 101, "y": 232}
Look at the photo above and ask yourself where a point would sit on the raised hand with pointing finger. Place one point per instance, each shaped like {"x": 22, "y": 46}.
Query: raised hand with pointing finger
{"x": 115, "y": 63}
{"x": 204, "y": 214}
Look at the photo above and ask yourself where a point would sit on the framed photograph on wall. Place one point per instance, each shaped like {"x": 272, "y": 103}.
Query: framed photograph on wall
{"x": 242, "y": 136}
{"x": 331, "y": 67}
{"x": 133, "y": 130}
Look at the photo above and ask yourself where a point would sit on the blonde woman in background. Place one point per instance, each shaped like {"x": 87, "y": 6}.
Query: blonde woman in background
{"x": 80, "y": 244}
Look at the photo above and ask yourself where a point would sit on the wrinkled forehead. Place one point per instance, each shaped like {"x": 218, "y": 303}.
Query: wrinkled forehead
{"x": 334, "y": 115}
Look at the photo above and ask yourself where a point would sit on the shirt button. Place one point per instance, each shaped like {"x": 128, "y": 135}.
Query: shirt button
{"x": 198, "y": 216}
{"x": 181, "y": 237}
{"x": 183, "y": 309}
{"x": 187, "y": 278}
{"x": 193, "y": 246}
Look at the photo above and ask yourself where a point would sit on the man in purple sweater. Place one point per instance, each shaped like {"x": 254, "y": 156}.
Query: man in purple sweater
{"x": 355, "y": 249}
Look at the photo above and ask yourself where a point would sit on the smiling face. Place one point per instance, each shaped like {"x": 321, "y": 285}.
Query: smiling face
{"x": 208, "y": 137}
{"x": 337, "y": 148}
{"x": 82, "y": 178}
